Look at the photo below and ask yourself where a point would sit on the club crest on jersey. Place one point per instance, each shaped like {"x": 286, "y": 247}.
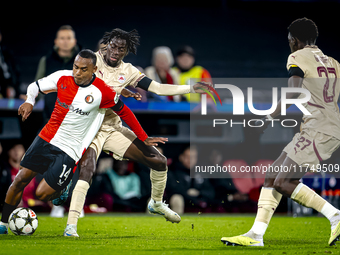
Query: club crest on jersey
{"x": 121, "y": 78}
{"x": 89, "y": 99}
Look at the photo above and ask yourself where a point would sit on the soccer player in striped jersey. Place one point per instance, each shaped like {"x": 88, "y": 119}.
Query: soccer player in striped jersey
{"x": 82, "y": 100}
{"x": 118, "y": 141}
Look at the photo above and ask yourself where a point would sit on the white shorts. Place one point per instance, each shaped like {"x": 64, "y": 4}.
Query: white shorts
{"x": 309, "y": 147}
{"x": 114, "y": 141}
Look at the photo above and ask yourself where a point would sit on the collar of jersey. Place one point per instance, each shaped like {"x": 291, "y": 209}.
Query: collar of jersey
{"x": 112, "y": 69}
{"x": 84, "y": 86}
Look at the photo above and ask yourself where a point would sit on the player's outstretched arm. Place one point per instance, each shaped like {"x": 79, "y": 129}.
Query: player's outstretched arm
{"x": 170, "y": 89}
{"x": 26, "y": 108}
{"x": 46, "y": 85}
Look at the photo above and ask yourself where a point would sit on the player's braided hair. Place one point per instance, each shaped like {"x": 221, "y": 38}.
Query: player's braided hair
{"x": 304, "y": 29}
{"x": 132, "y": 38}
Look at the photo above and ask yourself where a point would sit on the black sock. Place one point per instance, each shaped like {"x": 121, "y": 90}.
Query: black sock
{"x": 6, "y": 212}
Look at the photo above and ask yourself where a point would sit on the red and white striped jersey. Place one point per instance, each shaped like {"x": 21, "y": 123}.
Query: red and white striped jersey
{"x": 78, "y": 112}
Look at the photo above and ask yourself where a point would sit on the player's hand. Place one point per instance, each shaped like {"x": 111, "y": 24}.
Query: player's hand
{"x": 128, "y": 93}
{"x": 25, "y": 110}
{"x": 153, "y": 141}
{"x": 204, "y": 85}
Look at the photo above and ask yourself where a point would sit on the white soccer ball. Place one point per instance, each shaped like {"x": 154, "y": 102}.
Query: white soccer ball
{"x": 23, "y": 221}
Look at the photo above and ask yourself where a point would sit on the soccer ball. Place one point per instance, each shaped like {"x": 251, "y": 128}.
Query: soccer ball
{"x": 23, "y": 221}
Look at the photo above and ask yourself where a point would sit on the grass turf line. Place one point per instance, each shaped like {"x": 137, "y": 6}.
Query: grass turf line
{"x": 139, "y": 234}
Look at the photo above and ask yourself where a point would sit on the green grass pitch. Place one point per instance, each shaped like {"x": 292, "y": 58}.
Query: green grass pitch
{"x": 196, "y": 234}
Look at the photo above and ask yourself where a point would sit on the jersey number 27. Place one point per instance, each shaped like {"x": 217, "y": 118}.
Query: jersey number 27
{"x": 326, "y": 71}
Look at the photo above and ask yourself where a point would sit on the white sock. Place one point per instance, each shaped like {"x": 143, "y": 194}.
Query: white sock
{"x": 74, "y": 226}
{"x": 259, "y": 228}
{"x": 77, "y": 201}
{"x": 158, "y": 183}
{"x": 155, "y": 202}
{"x": 328, "y": 210}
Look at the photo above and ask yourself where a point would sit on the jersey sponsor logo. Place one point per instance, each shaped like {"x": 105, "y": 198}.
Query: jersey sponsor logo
{"x": 71, "y": 108}
{"x": 89, "y": 99}
{"x": 121, "y": 78}
{"x": 80, "y": 111}
{"x": 64, "y": 105}
{"x": 63, "y": 86}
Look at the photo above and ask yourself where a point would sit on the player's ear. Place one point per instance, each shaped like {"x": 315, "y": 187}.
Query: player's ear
{"x": 95, "y": 69}
{"x": 295, "y": 41}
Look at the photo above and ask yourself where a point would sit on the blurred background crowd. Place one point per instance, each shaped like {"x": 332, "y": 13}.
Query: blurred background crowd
{"x": 179, "y": 41}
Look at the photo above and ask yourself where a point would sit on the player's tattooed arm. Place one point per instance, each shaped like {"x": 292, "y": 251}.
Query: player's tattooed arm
{"x": 130, "y": 119}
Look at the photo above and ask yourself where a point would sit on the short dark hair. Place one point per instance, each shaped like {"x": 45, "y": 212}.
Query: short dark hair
{"x": 304, "y": 29}
{"x": 185, "y": 49}
{"x": 88, "y": 54}
{"x": 65, "y": 27}
{"x": 132, "y": 38}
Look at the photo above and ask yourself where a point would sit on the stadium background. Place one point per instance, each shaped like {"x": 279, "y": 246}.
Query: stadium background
{"x": 231, "y": 39}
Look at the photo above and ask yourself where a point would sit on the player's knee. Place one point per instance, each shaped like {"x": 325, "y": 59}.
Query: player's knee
{"x": 279, "y": 185}
{"x": 159, "y": 163}
{"x": 41, "y": 195}
{"x": 268, "y": 183}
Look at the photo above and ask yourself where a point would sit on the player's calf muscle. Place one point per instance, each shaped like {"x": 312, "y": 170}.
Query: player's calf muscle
{"x": 13, "y": 197}
{"x": 270, "y": 176}
{"x": 88, "y": 165}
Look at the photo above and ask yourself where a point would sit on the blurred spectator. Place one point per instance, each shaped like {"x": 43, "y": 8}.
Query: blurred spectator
{"x": 117, "y": 189}
{"x": 193, "y": 193}
{"x": 9, "y": 73}
{"x": 60, "y": 58}
{"x": 160, "y": 71}
{"x": 227, "y": 195}
{"x": 10, "y": 170}
{"x": 186, "y": 69}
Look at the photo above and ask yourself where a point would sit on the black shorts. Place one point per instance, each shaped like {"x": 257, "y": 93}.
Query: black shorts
{"x": 54, "y": 164}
